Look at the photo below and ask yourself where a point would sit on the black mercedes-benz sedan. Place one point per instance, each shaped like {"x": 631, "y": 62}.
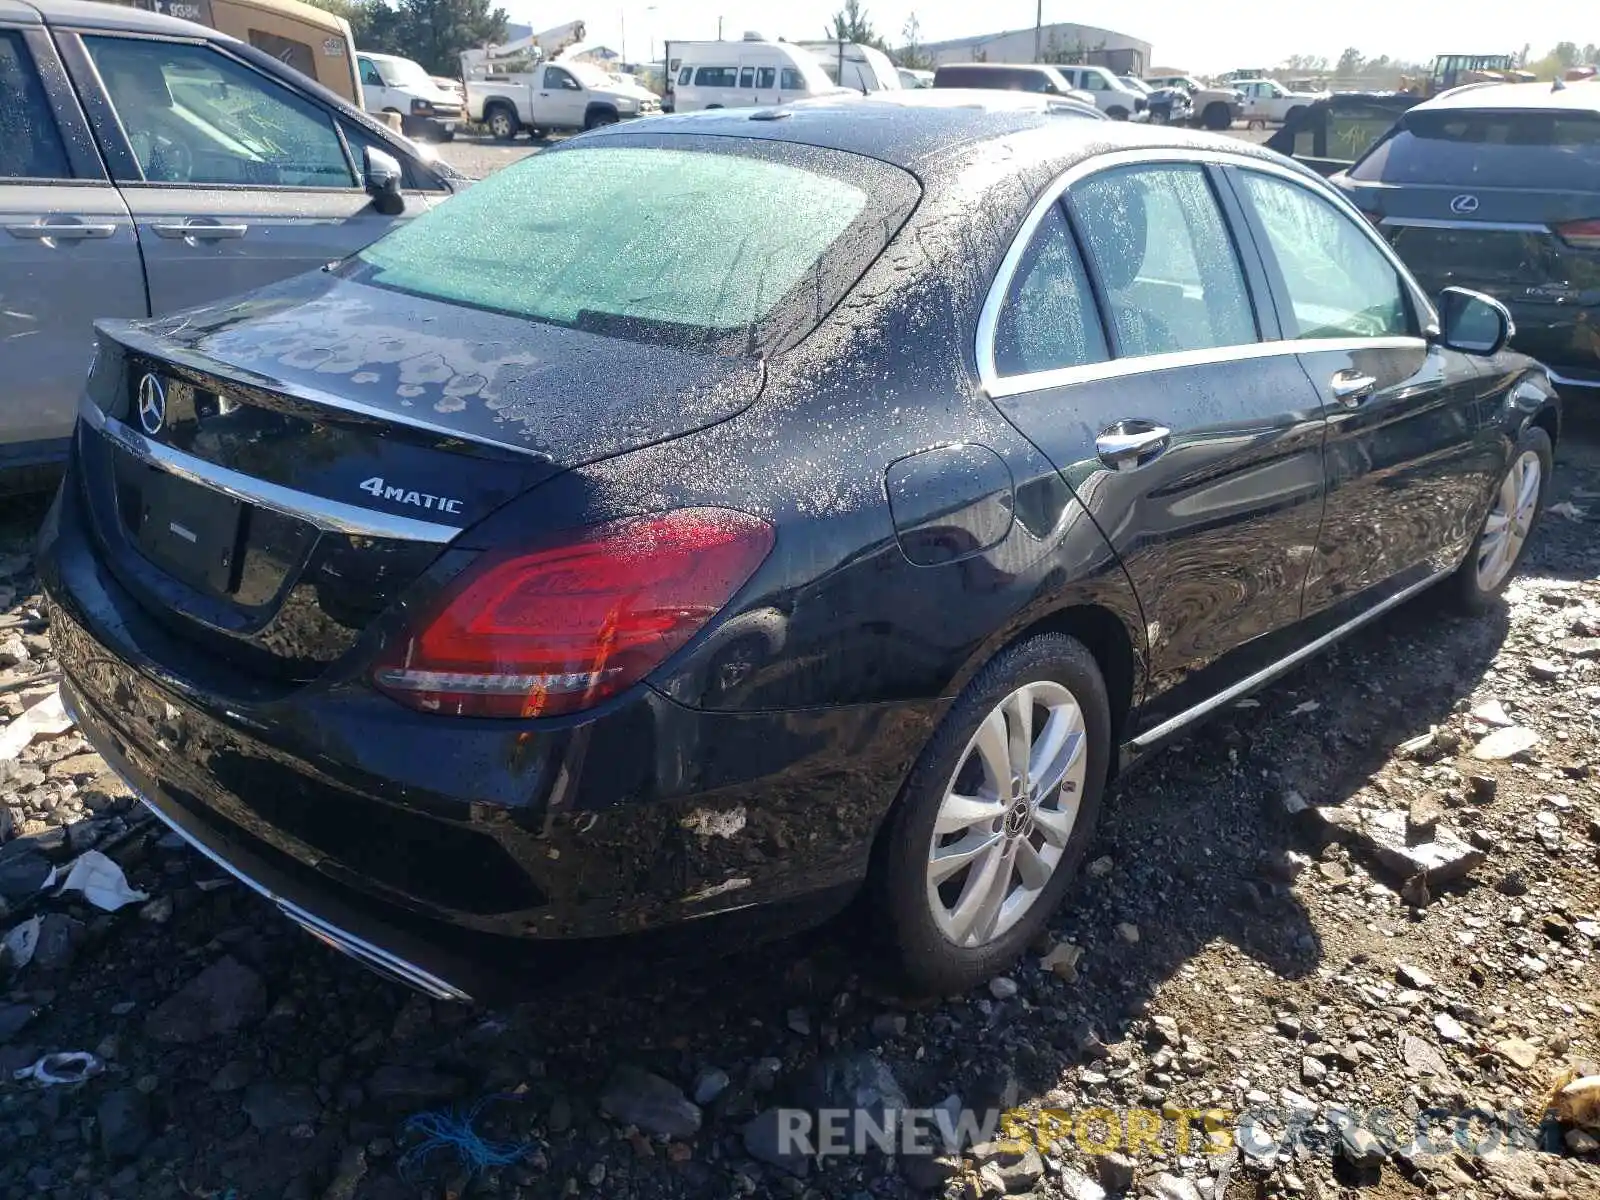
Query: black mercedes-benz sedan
{"x": 715, "y": 519}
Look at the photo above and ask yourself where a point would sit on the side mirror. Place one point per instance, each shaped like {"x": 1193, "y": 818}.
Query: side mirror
{"x": 1473, "y": 323}
{"x": 381, "y": 175}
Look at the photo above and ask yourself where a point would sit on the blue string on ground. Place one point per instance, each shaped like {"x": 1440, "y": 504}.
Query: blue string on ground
{"x": 453, "y": 1130}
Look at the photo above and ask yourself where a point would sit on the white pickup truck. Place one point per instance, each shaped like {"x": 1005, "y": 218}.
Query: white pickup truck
{"x": 555, "y": 96}
{"x": 1268, "y": 101}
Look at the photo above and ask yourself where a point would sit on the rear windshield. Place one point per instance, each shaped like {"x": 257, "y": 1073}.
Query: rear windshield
{"x": 677, "y": 245}
{"x": 1489, "y": 148}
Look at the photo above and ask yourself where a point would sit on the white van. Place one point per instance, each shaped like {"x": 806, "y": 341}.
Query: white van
{"x": 857, "y": 67}
{"x": 391, "y": 84}
{"x": 1111, "y": 96}
{"x": 743, "y": 74}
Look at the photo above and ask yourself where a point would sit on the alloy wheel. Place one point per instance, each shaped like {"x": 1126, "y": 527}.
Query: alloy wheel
{"x": 1007, "y": 814}
{"x": 1507, "y": 525}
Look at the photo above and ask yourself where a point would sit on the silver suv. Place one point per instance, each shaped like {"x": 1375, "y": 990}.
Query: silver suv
{"x": 148, "y": 164}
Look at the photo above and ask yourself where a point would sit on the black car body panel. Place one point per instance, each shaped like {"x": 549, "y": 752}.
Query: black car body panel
{"x": 924, "y": 519}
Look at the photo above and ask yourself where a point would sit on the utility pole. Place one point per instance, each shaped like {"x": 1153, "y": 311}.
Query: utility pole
{"x": 719, "y": 29}
{"x": 1038, "y": 30}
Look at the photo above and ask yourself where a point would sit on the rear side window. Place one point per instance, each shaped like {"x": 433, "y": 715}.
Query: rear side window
{"x": 30, "y": 143}
{"x": 1049, "y": 319}
{"x": 734, "y": 246}
{"x": 766, "y": 77}
{"x": 747, "y": 77}
{"x": 1489, "y": 148}
{"x": 1171, "y": 277}
{"x": 714, "y": 77}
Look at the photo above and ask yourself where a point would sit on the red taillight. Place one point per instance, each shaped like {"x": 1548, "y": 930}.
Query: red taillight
{"x": 564, "y": 627}
{"x": 1580, "y": 235}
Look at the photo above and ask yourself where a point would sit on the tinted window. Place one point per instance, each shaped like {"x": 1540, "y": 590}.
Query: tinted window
{"x": 369, "y": 74}
{"x": 555, "y": 77}
{"x": 1171, "y": 276}
{"x": 704, "y": 258}
{"x": 766, "y": 77}
{"x": 196, "y": 116}
{"x": 1049, "y": 319}
{"x": 714, "y": 77}
{"x": 30, "y": 143}
{"x": 747, "y": 77}
{"x": 1489, "y": 149}
{"x": 792, "y": 81}
{"x": 1339, "y": 283}
{"x": 685, "y": 75}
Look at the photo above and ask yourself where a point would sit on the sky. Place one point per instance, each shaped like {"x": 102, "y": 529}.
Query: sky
{"x": 1198, "y": 37}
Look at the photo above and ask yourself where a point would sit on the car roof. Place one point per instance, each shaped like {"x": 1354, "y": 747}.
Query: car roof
{"x": 1574, "y": 97}
{"x": 916, "y": 135}
{"x": 84, "y": 14}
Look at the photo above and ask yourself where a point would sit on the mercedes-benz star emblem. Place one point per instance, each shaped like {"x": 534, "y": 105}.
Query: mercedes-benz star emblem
{"x": 1464, "y": 204}
{"x": 152, "y": 404}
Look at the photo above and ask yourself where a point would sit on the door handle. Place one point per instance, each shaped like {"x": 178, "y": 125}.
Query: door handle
{"x": 202, "y": 233}
{"x": 62, "y": 231}
{"x": 1350, "y": 388}
{"x": 1130, "y": 444}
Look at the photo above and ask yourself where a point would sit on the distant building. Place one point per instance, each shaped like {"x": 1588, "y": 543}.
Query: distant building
{"x": 1061, "y": 42}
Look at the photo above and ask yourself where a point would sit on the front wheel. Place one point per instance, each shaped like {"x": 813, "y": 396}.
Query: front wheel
{"x": 1117, "y": 113}
{"x": 600, "y": 117}
{"x": 1217, "y": 116}
{"x": 1518, "y": 503}
{"x": 995, "y": 816}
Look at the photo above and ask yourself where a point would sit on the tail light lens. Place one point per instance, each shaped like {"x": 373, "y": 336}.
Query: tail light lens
{"x": 563, "y": 627}
{"x": 1580, "y": 235}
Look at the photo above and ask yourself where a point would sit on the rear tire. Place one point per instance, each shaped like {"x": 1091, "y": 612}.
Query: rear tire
{"x": 502, "y": 122}
{"x": 1217, "y": 116}
{"x": 1519, "y": 502}
{"x": 961, "y": 890}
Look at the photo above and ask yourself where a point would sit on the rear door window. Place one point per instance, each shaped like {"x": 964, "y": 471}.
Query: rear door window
{"x": 1489, "y": 148}
{"x": 766, "y": 77}
{"x": 747, "y": 77}
{"x": 714, "y": 77}
{"x": 30, "y": 143}
{"x": 1165, "y": 260}
{"x": 1049, "y": 319}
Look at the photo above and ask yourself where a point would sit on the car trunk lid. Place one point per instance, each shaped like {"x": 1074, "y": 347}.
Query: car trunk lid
{"x": 268, "y": 476}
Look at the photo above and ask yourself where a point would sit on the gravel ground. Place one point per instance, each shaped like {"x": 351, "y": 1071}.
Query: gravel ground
{"x": 1246, "y": 940}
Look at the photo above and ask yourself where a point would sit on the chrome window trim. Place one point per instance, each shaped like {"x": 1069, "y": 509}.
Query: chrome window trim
{"x": 996, "y": 385}
{"x": 1487, "y": 226}
{"x": 331, "y": 516}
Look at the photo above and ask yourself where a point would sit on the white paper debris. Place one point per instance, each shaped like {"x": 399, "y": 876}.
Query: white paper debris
{"x": 1569, "y": 510}
{"x": 101, "y": 881}
{"x": 65, "y": 1067}
{"x": 45, "y": 719}
{"x": 21, "y": 942}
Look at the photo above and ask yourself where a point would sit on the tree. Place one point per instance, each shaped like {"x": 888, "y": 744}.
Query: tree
{"x": 434, "y": 32}
{"x": 912, "y": 56}
{"x": 851, "y": 24}
{"x": 1350, "y": 63}
{"x": 1566, "y": 53}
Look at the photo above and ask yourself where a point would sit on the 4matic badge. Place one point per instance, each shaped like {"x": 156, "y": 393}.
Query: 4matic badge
{"x": 401, "y": 495}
